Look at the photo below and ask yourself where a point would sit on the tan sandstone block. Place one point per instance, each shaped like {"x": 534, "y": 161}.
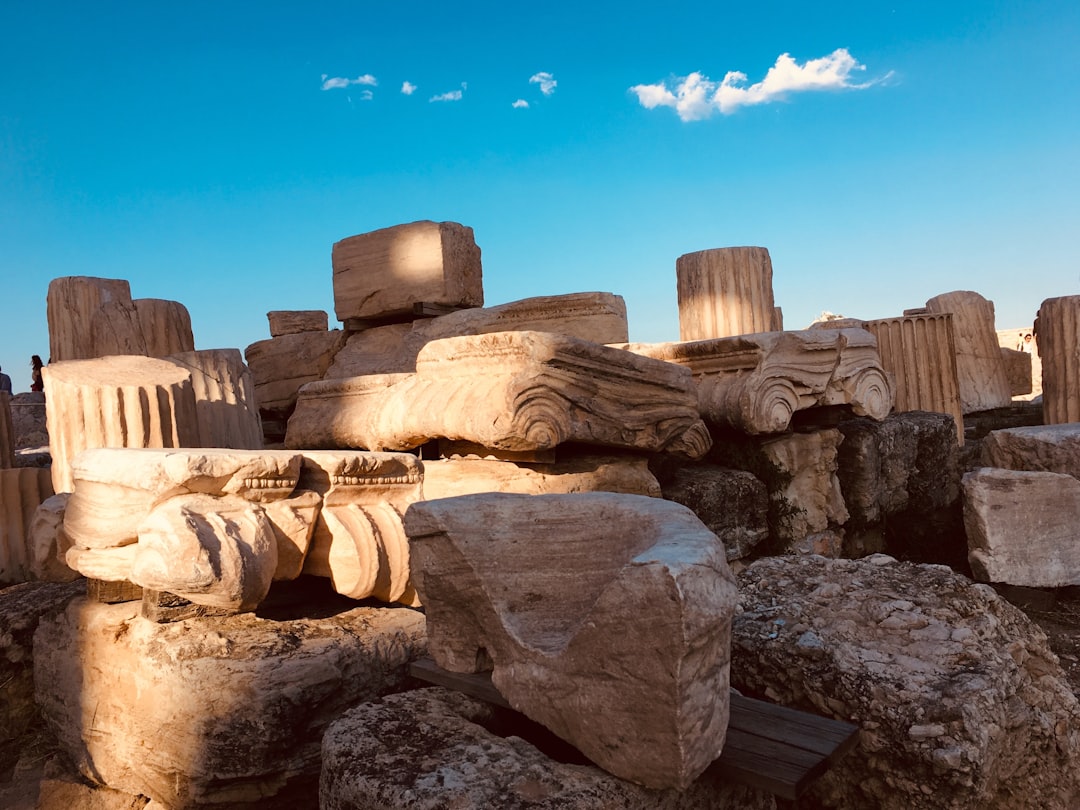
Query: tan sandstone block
{"x": 71, "y": 304}
{"x": 48, "y": 543}
{"x": 281, "y": 365}
{"x": 724, "y": 292}
{"x": 150, "y": 327}
{"x": 1037, "y": 448}
{"x": 1018, "y": 371}
{"x": 22, "y": 490}
{"x": 1059, "y": 347}
{"x": 539, "y": 588}
{"x": 513, "y": 391}
{"x": 224, "y": 398}
{"x": 385, "y": 272}
{"x": 293, "y": 322}
{"x": 979, "y": 368}
{"x": 7, "y": 433}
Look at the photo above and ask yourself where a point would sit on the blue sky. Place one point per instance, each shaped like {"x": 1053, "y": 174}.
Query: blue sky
{"x": 899, "y": 151}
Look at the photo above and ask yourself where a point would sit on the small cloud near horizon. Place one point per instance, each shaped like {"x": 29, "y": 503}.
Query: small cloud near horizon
{"x": 545, "y": 80}
{"x": 336, "y": 82}
{"x": 408, "y": 88}
{"x": 453, "y": 95}
{"x": 696, "y": 97}
{"x": 520, "y": 104}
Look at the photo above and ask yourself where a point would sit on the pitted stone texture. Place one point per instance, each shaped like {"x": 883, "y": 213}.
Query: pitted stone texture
{"x": 1039, "y": 448}
{"x": 541, "y": 585}
{"x": 28, "y": 421}
{"x": 280, "y": 365}
{"x": 909, "y": 461}
{"x": 21, "y": 492}
{"x": 428, "y": 749}
{"x": 756, "y": 383}
{"x": 385, "y": 272}
{"x": 226, "y": 712}
{"x": 980, "y": 371}
{"x": 510, "y": 391}
{"x": 598, "y": 317}
{"x": 1018, "y": 371}
{"x": 733, "y": 504}
{"x": 724, "y": 292}
{"x": 1023, "y": 528}
{"x": 447, "y": 478}
{"x": 293, "y": 322}
{"x": 960, "y": 700}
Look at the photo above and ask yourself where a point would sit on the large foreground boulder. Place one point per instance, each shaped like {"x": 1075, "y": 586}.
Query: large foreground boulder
{"x": 961, "y": 702}
{"x": 432, "y": 749}
{"x": 227, "y": 712}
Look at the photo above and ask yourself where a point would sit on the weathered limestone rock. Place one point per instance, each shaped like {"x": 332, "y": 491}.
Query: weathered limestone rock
{"x": 73, "y": 794}
{"x": 807, "y": 462}
{"x": 919, "y": 351}
{"x": 224, "y": 398}
{"x": 429, "y": 749}
{"x": 980, "y": 370}
{"x": 448, "y": 478}
{"x": 21, "y": 491}
{"x": 960, "y": 700}
{"x": 733, "y": 504}
{"x": 7, "y": 433}
{"x": 1017, "y": 371}
{"x": 599, "y": 317}
{"x": 28, "y": 421}
{"x": 724, "y": 292}
{"x": 512, "y": 391}
{"x": 22, "y": 607}
{"x": 122, "y": 401}
{"x": 359, "y": 541}
{"x": 226, "y": 712}
{"x": 1023, "y": 528}
{"x": 539, "y": 586}
{"x": 47, "y": 542}
{"x": 1038, "y": 448}
{"x": 906, "y": 462}
{"x": 146, "y": 326}
{"x": 293, "y": 322}
{"x": 385, "y": 272}
{"x": 281, "y": 365}
{"x": 1059, "y": 347}
{"x": 71, "y": 304}
{"x": 756, "y": 383}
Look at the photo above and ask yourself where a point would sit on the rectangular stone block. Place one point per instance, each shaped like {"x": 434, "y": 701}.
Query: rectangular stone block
{"x": 385, "y": 272}
{"x": 292, "y": 322}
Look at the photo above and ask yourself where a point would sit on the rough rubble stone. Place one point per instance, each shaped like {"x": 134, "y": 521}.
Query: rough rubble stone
{"x": 539, "y": 587}
{"x": 1040, "y": 448}
{"x": 429, "y": 749}
{"x": 961, "y": 703}
{"x": 227, "y": 712}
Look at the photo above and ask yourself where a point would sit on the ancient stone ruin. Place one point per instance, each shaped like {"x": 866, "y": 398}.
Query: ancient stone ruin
{"x": 751, "y": 567}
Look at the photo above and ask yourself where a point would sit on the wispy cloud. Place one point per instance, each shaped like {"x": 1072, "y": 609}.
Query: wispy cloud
{"x": 453, "y": 95}
{"x": 408, "y": 88}
{"x": 520, "y": 104}
{"x": 695, "y": 97}
{"x": 336, "y": 82}
{"x": 545, "y": 80}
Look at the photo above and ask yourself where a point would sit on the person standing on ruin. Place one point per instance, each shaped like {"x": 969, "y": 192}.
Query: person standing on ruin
{"x": 36, "y": 383}
{"x": 5, "y": 383}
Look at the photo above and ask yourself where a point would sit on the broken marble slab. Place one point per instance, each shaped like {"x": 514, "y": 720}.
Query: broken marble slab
{"x": 383, "y": 273}
{"x": 548, "y": 591}
{"x": 596, "y": 316}
{"x": 1036, "y": 448}
{"x": 280, "y": 365}
{"x": 1023, "y": 528}
{"x": 757, "y": 382}
{"x": 514, "y": 391}
{"x": 295, "y": 321}
{"x": 224, "y": 398}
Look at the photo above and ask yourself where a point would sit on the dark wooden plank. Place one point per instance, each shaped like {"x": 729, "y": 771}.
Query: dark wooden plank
{"x": 769, "y": 747}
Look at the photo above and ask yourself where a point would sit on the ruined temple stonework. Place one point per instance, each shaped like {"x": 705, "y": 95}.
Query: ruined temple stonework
{"x": 148, "y": 326}
{"x": 216, "y": 526}
{"x": 509, "y": 391}
{"x": 295, "y": 321}
{"x": 121, "y": 401}
{"x": 724, "y": 292}
{"x": 1059, "y": 347}
{"x": 22, "y": 490}
{"x": 538, "y": 588}
{"x": 756, "y": 383}
{"x": 280, "y": 365}
{"x": 385, "y": 272}
{"x": 224, "y": 398}
{"x": 599, "y": 317}
{"x": 919, "y": 351}
{"x": 980, "y": 370}
{"x": 7, "y": 433}
{"x": 71, "y": 304}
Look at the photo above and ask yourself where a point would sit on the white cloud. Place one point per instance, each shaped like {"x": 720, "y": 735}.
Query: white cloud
{"x": 366, "y": 95}
{"x": 453, "y": 95}
{"x": 408, "y": 88}
{"x": 520, "y": 104}
{"x": 696, "y": 96}
{"x": 338, "y": 81}
{"x": 545, "y": 80}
